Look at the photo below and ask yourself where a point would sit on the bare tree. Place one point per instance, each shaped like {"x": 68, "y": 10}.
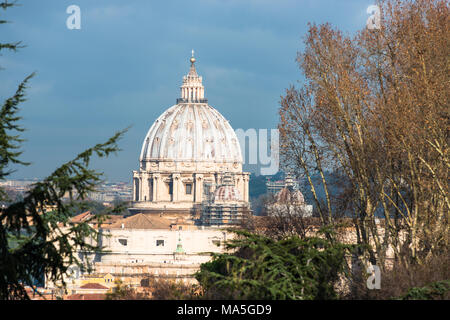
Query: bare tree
{"x": 374, "y": 107}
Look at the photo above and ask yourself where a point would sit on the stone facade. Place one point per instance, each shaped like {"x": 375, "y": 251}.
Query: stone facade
{"x": 159, "y": 245}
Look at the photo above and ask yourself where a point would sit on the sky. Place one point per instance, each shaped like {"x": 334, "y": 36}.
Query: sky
{"x": 124, "y": 67}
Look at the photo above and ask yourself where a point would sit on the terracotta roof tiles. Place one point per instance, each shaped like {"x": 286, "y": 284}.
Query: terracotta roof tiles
{"x": 141, "y": 221}
{"x": 91, "y": 285}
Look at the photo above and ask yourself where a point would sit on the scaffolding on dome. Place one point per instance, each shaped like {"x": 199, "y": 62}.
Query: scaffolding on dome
{"x": 221, "y": 214}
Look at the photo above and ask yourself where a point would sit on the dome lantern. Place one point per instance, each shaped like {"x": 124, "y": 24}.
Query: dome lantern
{"x": 192, "y": 89}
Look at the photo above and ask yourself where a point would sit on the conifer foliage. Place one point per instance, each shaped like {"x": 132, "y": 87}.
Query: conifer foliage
{"x": 261, "y": 268}
{"x": 35, "y": 241}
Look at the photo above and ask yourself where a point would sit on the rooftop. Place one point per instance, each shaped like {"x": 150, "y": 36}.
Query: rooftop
{"x": 141, "y": 221}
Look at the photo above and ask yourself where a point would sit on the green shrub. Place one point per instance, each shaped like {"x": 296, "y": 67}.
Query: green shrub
{"x": 264, "y": 268}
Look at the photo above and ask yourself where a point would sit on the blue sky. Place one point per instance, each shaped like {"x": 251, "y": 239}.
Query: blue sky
{"x": 124, "y": 67}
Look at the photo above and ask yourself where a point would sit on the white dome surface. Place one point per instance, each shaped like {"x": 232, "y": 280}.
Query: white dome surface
{"x": 191, "y": 132}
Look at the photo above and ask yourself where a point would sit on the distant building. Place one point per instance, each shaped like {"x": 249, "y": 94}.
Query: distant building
{"x": 274, "y": 187}
{"x": 289, "y": 202}
{"x": 288, "y": 199}
{"x": 110, "y": 192}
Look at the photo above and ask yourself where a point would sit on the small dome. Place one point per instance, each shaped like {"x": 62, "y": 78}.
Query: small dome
{"x": 286, "y": 195}
{"x": 227, "y": 193}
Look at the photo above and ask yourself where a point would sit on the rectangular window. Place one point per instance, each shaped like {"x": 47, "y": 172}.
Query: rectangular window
{"x": 160, "y": 243}
{"x": 188, "y": 188}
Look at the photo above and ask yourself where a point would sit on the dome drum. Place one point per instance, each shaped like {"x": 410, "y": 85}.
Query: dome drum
{"x": 159, "y": 165}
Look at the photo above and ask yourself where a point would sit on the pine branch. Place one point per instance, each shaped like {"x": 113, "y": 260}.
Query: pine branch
{"x": 54, "y": 240}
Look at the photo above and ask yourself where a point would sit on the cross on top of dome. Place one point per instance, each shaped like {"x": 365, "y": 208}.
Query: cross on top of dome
{"x": 192, "y": 72}
{"x": 192, "y": 89}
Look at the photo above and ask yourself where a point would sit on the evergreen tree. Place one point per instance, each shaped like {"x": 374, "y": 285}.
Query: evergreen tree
{"x": 261, "y": 268}
{"x": 34, "y": 241}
